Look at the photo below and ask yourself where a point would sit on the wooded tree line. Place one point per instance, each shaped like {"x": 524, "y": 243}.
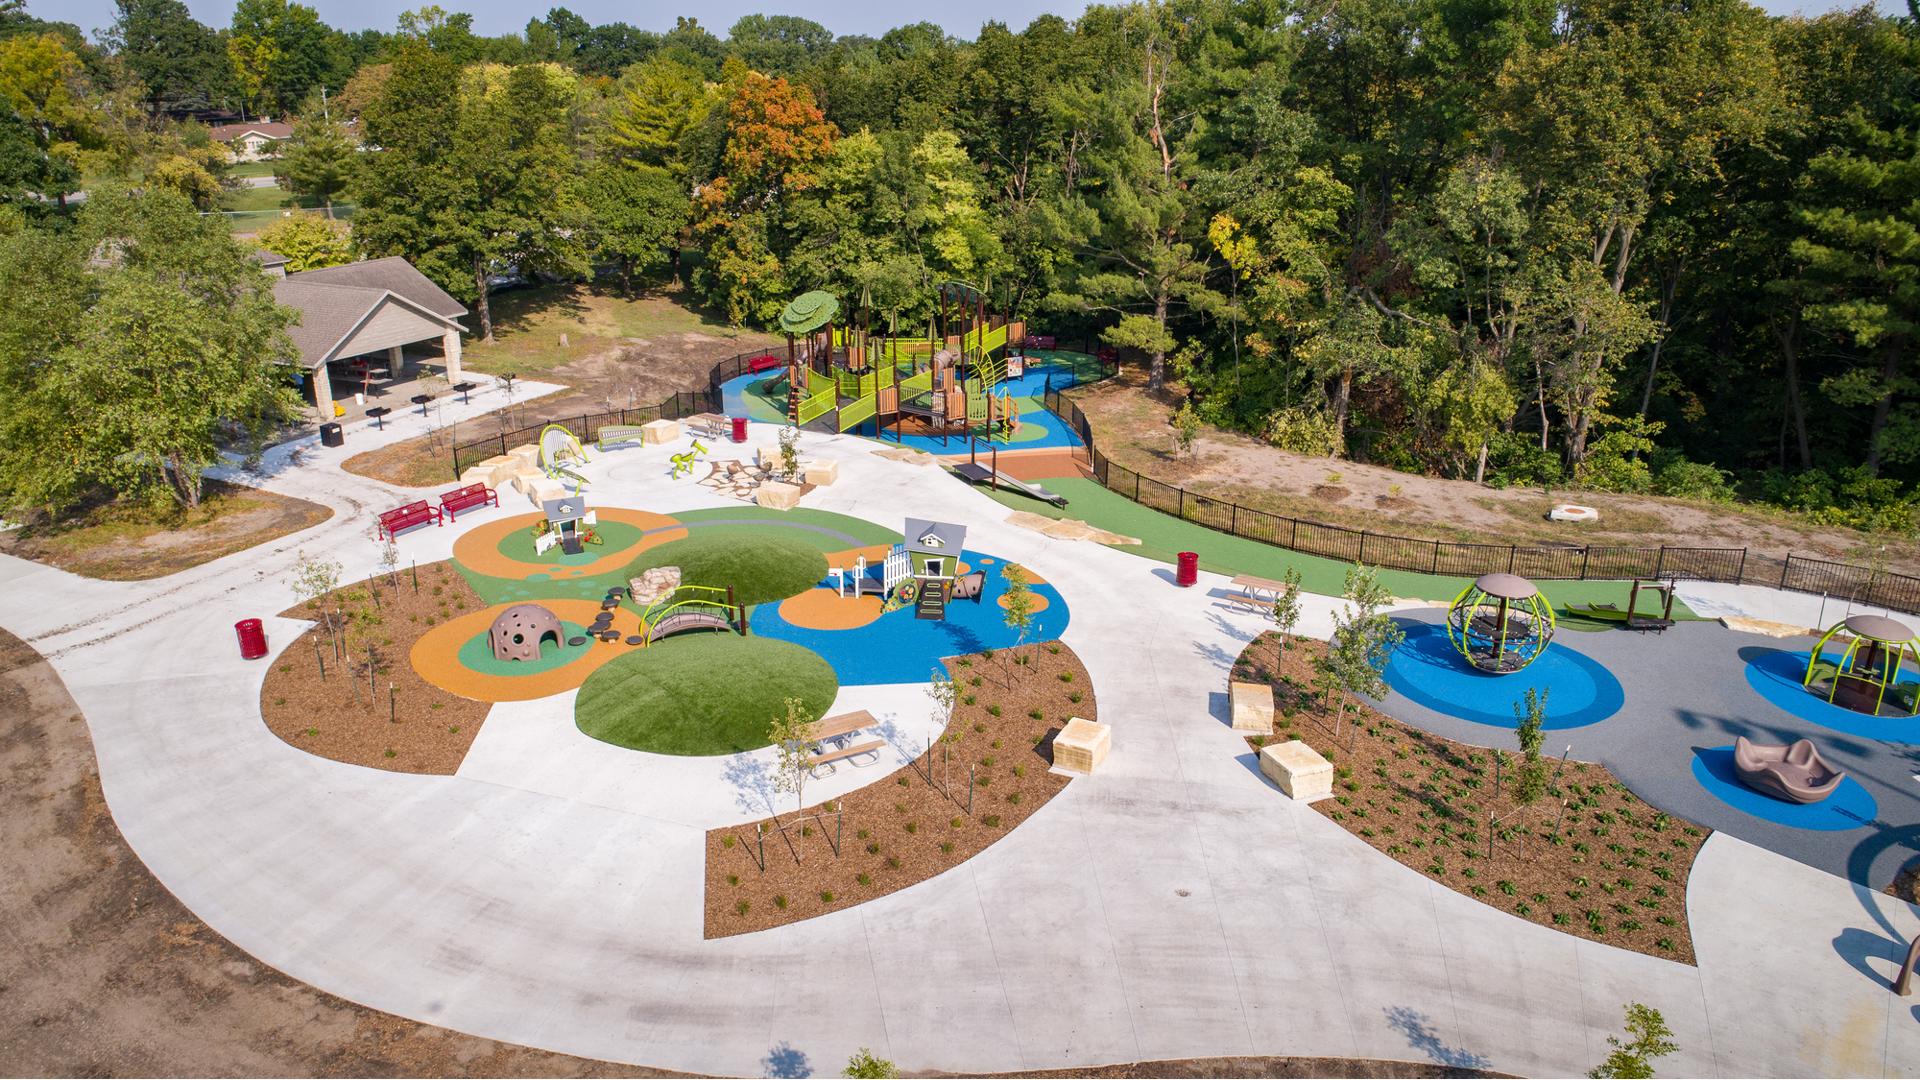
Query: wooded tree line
{"x": 1628, "y": 244}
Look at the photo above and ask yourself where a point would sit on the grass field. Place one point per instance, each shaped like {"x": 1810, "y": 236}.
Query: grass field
{"x": 529, "y": 323}
{"x": 1163, "y": 536}
{"x": 701, "y": 694}
{"x": 248, "y": 169}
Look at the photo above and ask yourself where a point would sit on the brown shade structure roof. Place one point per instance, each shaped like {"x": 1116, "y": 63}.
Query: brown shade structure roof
{"x": 1879, "y": 628}
{"x": 337, "y": 302}
{"x": 1505, "y": 586}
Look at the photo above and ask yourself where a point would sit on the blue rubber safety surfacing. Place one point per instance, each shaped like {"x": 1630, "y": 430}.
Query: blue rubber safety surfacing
{"x": 1775, "y": 674}
{"x": 898, "y": 648}
{"x": 1427, "y": 669}
{"x": 1849, "y": 807}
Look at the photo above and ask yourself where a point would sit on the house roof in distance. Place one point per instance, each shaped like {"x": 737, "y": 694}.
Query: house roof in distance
{"x": 336, "y": 301}
{"x": 272, "y": 129}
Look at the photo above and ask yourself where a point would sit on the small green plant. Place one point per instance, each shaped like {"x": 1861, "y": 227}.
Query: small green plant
{"x": 742, "y": 907}
{"x": 390, "y": 752}
{"x": 957, "y": 822}
{"x": 1014, "y": 799}
{"x": 1036, "y": 714}
{"x": 893, "y": 862}
{"x": 991, "y": 821}
{"x": 733, "y": 879}
{"x": 946, "y": 847}
{"x": 826, "y": 896}
{"x": 1066, "y": 676}
{"x": 864, "y": 1066}
{"x": 992, "y": 710}
{"x": 727, "y": 842}
{"x": 780, "y": 901}
{"x": 863, "y": 879}
{"x": 1648, "y": 1038}
{"x": 912, "y": 827}
{"x": 873, "y": 848}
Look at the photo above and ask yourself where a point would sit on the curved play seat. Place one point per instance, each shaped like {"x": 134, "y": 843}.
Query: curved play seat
{"x": 1795, "y": 773}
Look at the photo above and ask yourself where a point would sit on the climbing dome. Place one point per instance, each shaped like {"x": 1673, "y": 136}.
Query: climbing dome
{"x": 1867, "y": 676}
{"x": 1500, "y": 623}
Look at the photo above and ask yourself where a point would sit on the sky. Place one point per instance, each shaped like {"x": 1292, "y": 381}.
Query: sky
{"x": 873, "y": 17}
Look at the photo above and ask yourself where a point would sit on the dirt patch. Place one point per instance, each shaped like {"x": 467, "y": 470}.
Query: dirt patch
{"x": 920, "y": 821}
{"x": 424, "y": 462}
{"x": 394, "y": 720}
{"x": 1330, "y": 493}
{"x": 1589, "y": 858}
{"x": 106, "y": 974}
{"x": 119, "y": 543}
{"x": 1130, "y": 427}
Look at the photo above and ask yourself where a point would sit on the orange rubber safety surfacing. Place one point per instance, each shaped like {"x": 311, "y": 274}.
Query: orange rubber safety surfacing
{"x": 479, "y": 549}
{"x": 436, "y": 656}
{"x": 824, "y": 609}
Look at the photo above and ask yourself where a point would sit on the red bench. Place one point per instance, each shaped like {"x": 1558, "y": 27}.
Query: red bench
{"x": 466, "y": 498}
{"x": 765, "y": 363}
{"x": 1040, "y": 341}
{"x": 406, "y": 517}
{"x": 1108, "y": 354}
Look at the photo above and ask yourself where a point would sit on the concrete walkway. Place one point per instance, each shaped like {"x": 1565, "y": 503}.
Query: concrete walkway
{"x": 1176, "y": 905}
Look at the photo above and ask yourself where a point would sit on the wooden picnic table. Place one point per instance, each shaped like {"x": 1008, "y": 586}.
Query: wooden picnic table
{"x": 1256, "y": 591}
{"x": 834, "y": 727}
{"x": 714, "y": 423}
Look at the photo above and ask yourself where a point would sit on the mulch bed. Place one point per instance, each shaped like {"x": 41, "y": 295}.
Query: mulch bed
{"x": 914, "y": 823}
{"x": 426, "y": 729}
{"x": 1589, "y": 858}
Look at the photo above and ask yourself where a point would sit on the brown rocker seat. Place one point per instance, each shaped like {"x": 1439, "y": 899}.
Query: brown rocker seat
{"x": 1795, "y": 773}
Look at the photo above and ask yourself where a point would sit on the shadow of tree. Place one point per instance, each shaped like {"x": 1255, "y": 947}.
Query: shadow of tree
{"x": 1413, "y": 1024}
{"x": 785, "y": 1061}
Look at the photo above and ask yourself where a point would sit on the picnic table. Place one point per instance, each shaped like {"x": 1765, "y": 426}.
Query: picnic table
{"x": 713, "y": 425}
{"x": 840, "y": 727}
{"x": 378, "y": 412}
{"x": 1256, "y": 592}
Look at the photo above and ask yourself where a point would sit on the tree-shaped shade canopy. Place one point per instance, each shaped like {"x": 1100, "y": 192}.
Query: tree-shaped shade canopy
{"x": 808, "y": 312}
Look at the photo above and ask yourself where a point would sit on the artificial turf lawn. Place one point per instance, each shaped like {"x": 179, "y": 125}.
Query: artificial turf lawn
{"x": 1163, "y": 536}
{"x": 758, "y": 567}
{"x": 701, "y": 694}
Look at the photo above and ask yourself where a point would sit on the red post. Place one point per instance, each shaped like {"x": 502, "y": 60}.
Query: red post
{"x": 253, "y": 639}
{"x": 739, "y": 429}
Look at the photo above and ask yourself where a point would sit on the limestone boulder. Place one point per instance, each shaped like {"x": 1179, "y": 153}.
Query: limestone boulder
{"x": 775, "y": 495}
{"x": 1081, "y": 746}
{"x": 1298, "y": 768}
{"x": 1252, "y": 707}
{"x": 653, "y": 584}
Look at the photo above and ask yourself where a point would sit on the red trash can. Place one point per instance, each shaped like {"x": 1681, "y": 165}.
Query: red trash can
{"x": 1189, "y": 573}
{"x": 253, "y": 639}
{"x": 739, "y": 429}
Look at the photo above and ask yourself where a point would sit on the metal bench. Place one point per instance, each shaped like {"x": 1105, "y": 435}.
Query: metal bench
{"x": 620, "y": 435}
{"x": 814, "y": 761}
{"x": 406, "y": 517}
{"x": 767, "y": 362}
{"x": 466, "y": 498}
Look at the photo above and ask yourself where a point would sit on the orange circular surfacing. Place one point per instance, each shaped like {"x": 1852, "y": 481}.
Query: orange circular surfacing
{"x": 824, "y": 609}
{"x": 478, "y": 549}
{"x": 436, "y": 656}
{"x": 1040, "y": 602}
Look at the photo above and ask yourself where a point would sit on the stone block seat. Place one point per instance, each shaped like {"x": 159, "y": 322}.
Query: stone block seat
{"x": 660, "y": 432}
{"x": 1081, "y": 746}
{"x": 1298, "y": 768}
{"x": 775, "y": 495}
{"x": 1252, "y": 707}
{"x": 821, "y": 473}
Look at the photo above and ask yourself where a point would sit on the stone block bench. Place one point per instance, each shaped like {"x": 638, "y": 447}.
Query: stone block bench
{"x": 1252, "y": 707}
{"x": 660, "y": 432}
{"x": 1081, "y": 746}
{"x": 1298, "y": 768}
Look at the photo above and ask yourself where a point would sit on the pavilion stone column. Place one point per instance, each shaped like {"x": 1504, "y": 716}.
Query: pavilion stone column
{"x": 450, "y": 349}
{"x": 323, "y": 393}
{"x": 396, "y": 362}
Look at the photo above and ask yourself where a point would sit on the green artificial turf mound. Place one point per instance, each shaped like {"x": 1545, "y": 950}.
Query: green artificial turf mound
{"x": 701, "y": 694}
{"x": 761, "y": 566}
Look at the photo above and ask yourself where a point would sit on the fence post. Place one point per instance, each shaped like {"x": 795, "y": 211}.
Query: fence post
{"x": 1234, "y": 527}
{"x": 1786, "y": 568}
{"x": 1740, "y": 572}
{"x": 1660, "y": 563}
{"x": 1183, "y": 504}
{"x": 1293, "y": 538}
{"x": 1513, "y": 554}
{"x": 1586, "y": 553}
{"x": 1136, "y": 487}
{"x": 1436, "y": 558}
{"x": 1362, "y": 557}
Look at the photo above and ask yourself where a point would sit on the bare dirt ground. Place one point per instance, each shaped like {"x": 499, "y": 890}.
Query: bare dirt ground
{"x": 119, "y": 544}
{"x": 104, "y": 973}
{"x": 1131, "y": 427}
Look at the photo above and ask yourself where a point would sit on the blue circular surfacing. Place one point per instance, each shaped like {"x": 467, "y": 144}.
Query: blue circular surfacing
{"x": 1849, "y": 807}
{"x": 1775, "y": 674}
{"x": 1429, "y": 672}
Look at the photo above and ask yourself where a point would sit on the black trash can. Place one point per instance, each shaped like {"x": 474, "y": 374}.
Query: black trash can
{"x": 331, "y": 435}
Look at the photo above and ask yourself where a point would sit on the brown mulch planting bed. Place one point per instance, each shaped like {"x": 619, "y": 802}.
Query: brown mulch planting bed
{"x": 914, "y": 823}
{"x": 337, "y": 716}
{"x": 1589, "y": 858}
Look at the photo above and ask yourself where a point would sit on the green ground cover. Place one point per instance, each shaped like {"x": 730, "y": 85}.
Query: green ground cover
{"x": 1163, "y": 536}
{"x": 759, "y": 566}
{"x": 614, "y": 535}
{"x": 825, "y": 530}
{"x": 477, "y": 654}
{"x": 701, "y": 694}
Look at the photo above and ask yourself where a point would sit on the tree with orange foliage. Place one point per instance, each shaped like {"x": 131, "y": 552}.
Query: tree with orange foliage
{"x": 776, "y": 134}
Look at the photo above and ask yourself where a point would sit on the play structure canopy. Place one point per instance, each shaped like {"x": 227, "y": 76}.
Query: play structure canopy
{"x": 1869, "y": 667}
{"x": 808, "y": 312}
{"x": 1500, "y": 623}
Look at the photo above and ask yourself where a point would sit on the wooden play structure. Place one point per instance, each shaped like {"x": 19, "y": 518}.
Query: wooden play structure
{"x": 839, "y": 375}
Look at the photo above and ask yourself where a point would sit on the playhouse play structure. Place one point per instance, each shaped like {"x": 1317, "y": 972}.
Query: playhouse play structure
{"x": 839, "y": 375}
{"x": 1500, "y": 623}
{"x": 1866, "y": 677}
{"x": 924, "y": 571}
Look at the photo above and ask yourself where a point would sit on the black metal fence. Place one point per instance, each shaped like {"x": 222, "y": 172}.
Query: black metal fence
{"x": 1576, "y": 562}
